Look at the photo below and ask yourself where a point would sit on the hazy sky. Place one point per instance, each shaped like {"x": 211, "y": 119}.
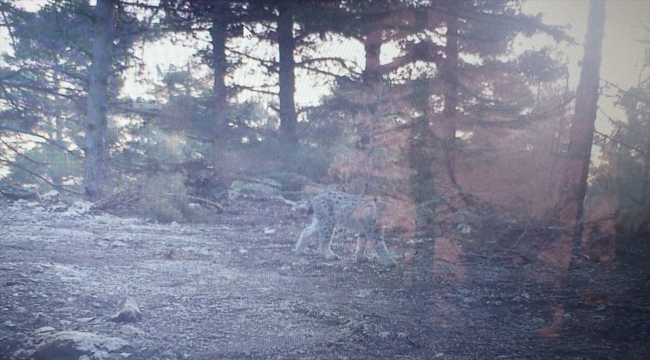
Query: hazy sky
{"x": 622, "y": 53}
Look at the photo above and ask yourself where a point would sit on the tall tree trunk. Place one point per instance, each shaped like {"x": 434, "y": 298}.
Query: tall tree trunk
{"x": 445, "y": 127}
{"x": 421, "y": 159}
{"x": 218, "y": 37}
{"x": 423, "y": 148}
{"x": 432, "y": 139}
{"x": 372, "y": 47}
{"x": 287, "y": 45}
{"x": 570, "y": 207}
{"x": 96, "y": 162}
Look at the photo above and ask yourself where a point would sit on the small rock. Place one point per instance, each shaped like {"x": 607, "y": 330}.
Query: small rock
{"x": 45, "y": 329}
{"x": 78, "y": 208}
{"x": 117, "y": 243}
{"x": 58, "y": 208}
{"x": 168, "y": 354}
{"x": 51, "y": 196}
{"x": 41, "y": 318}
{"x": 18, "y": 192}
{"x": 130, "y": 330}
{"x": 194, "y": 206}
{"x": 76, "y": 345}
{"x": 127, "y": 311}
{"x": 9, "y": 324}
{"x": 22, "y": 354}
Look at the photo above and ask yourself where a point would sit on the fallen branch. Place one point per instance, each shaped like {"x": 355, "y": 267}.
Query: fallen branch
{"x": 198, "y": 199}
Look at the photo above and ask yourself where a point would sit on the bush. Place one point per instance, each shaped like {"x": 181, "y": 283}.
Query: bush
{"x": 291, "y": 157}
{"x": 164, "y": 199}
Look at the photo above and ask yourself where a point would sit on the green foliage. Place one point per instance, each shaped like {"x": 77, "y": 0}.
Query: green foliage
{"x": 633, "y": 147}
{"x": 47, "y": 166}
{"x": 48, "y": 93}
{"x": 44, "y": 83}
{"x": 629, "y": 149}
{"x": 287, "y": 156}
{"x": 146, "y": 147}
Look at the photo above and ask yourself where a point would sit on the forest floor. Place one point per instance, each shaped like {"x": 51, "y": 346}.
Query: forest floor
{"x": 234, "y": 289}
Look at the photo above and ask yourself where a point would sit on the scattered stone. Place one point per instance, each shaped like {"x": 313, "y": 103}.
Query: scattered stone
{"x": 127, "y": 311}
{"x": 75, "y": 345}
{"x": 86, "y": 319}
{"x": 6, "y": 266}
{"x": 130, "y": 330}
{"x": 464, "y": 229}
{"x": 168, "y": 354}
{"x": 18, "y": 192}
{"x": 51, "y": 197}
{"x": 9, "y": 324}
{"x": 117, "y": 243}
{"x": 22, "y": 354}
{"x": 79, "y": 208}
{"x": 45, "y": 329}
{"x": 267, "y": 186}
{"x": 57, "y": 208}
{"x": 41, "y": 318}
{"x": 194, "y": 206}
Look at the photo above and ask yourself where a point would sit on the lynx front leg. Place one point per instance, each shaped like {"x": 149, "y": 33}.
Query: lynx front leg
{"x": 359, "y": 255}
{"x": 309, "y": 231}
{"x": 325, "y": 233}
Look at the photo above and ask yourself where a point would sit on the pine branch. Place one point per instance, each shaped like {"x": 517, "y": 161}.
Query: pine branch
{"x": 523, "y": 120}
{"x": 644, "y": 153}
{"x": 47, "y": 139}
{"x": 36, "y": 175}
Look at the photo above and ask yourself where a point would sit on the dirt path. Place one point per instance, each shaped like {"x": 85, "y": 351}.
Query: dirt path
{"x": 234, "y": 289}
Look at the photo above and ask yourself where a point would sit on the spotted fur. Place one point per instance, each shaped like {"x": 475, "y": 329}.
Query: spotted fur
{"x": 337, "y": 210}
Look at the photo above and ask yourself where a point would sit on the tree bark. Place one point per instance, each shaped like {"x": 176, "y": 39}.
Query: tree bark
{"x": 445, "y": 127}
{"x": 287, "y": 45}
{"x": 372, "y": 47}
{"x": 570, "y": 207}
{"x": 97, "y": 162}
{"x": 218, "y": 37}
{"x": 424, "y": 151}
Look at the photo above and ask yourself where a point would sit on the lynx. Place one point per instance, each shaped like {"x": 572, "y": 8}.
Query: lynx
{"x": 336, "y": 210}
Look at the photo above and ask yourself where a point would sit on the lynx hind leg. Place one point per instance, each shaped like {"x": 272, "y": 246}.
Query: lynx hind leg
{"x": 382, "y": 252}
{"x": 325, "y": 232}
{"x": 309, "y": 231}
{"x": 359, "y": 254}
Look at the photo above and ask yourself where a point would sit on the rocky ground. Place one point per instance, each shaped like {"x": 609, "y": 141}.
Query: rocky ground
{"x": 234, "y": 289}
